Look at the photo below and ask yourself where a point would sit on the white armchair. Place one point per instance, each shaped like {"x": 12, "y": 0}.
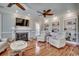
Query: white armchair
{"x": 3, "y": 44}
{"x": 57, "y": 42}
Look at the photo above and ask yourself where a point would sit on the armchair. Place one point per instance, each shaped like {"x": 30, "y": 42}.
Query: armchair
{"x": 58, "y": 42}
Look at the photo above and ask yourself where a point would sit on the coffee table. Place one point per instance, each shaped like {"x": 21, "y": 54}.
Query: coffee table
{"x": 18, "y": 46}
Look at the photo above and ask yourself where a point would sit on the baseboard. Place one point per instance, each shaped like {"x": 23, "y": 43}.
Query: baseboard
{"x": 73, "y": 43}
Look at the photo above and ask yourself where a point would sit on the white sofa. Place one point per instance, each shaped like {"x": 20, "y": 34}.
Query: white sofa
{"x": 58, "y": 42}
{"x": 3, "y": 44}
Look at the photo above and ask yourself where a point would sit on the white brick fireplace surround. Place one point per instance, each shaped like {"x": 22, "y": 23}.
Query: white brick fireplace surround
{"x": 20, "y": 29}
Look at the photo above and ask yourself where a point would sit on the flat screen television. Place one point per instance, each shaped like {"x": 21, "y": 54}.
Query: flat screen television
{"x": 22, "y": 22}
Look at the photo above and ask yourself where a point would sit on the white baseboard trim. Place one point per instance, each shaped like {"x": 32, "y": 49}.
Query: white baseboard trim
{"x": 75, "y": 43}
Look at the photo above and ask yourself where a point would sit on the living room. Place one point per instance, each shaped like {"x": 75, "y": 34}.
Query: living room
{"x": 39, "y": 29}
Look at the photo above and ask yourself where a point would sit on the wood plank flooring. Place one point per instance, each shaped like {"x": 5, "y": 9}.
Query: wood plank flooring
{"x": 45, "y": 49}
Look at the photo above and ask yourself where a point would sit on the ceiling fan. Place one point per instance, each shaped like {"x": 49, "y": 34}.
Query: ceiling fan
{"x": 46, "y": 12}
{"x": 17, "y": 4}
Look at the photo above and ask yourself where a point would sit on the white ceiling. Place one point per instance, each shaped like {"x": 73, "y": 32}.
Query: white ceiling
{"x": 57, "y": 8}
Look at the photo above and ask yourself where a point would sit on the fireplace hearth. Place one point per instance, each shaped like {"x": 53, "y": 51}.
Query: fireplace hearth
{"x": 22, "y": 36}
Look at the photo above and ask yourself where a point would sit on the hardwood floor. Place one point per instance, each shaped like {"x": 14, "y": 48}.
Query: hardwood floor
{"x": 45, "y": 49}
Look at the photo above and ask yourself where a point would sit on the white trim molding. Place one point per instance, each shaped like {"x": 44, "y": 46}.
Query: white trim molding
{"x": 6, "y": 32}
{"x": 75, "y": 43}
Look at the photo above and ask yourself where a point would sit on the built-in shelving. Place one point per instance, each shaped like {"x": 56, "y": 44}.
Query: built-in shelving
{"x": 71, "y": 29}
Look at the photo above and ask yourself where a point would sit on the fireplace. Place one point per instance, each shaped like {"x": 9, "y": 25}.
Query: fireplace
{"x": 21, "y": 33}
{"x": 22, "y": 36}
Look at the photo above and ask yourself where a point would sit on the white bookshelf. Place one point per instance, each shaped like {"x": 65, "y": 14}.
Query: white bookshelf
{"x": 71, "y": 29}
{"x": 55, "y": 27}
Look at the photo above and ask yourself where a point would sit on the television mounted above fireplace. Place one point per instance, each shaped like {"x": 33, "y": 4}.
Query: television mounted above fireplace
{"x": 22, "y": 22}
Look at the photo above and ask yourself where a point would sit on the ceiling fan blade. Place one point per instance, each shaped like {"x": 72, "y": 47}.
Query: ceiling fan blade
{"x": 10, "y": 4}
{"x": 20, "y": 6}
{"x": 48, "y": 10}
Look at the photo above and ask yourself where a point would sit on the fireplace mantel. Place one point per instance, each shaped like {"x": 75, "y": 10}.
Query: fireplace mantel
{"x": 19, "y": 29}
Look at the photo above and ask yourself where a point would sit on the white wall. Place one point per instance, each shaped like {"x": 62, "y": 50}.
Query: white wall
{"x": 0, "y": 26}
{"x": 8, "y": 19}
{"x": 7, "y": 24}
